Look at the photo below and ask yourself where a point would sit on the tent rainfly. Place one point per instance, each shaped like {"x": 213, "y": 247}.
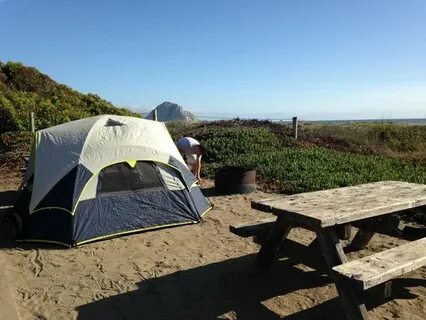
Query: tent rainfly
{"x": 105, "y": 176}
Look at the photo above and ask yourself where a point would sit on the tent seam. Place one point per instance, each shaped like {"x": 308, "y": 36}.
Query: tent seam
{"x": 135, "y": 231}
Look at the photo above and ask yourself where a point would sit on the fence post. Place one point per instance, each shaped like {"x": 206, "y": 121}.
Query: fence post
{"x": 154, "y": 115}
{"x": 32, "y": 123}
{"x": 295, "y": 127}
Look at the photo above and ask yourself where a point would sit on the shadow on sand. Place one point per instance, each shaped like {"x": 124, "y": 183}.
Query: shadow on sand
{"x": 212, "y": 192}
{"x": 230, "y": 289}
{"x": 205, "y": 292}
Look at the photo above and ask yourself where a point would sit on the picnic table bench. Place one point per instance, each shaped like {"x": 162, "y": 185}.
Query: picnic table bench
{"x": 326, "y": 213}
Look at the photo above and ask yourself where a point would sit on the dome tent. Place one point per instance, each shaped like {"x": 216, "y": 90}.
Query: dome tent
{"x": 105, "y": 176}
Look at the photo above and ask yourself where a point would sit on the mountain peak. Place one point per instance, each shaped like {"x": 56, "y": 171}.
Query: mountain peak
{"x": 169, "y": 111}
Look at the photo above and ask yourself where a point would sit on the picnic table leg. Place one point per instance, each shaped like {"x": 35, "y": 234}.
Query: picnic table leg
{"x": 272, "y": 242}
{"x": 344, "y": 231}
{"x": 334, "y": 255}
{"x": 363, "y": 237}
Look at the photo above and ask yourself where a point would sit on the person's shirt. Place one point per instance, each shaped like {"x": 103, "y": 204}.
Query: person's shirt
{"x": 187, "y": 147}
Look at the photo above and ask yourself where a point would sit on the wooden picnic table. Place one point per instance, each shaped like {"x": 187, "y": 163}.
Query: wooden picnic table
{"x": 324, "y": 212}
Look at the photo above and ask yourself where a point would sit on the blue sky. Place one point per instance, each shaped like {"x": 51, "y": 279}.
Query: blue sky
{"x": 314, "y": 59}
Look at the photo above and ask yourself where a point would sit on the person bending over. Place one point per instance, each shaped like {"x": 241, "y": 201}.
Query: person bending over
{"x": 191, "y": 151}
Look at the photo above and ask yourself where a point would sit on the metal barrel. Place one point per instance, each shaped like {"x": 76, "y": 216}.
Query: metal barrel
{"x": 230, "y": 180}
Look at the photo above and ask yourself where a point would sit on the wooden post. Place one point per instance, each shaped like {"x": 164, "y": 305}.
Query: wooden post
{"x": 154, "y": 115}
{"x": 295, "y": 127}
{"x": 32, "y": 122}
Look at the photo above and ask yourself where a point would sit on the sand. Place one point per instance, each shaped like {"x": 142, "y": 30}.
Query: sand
{"x": 191, "y": 272}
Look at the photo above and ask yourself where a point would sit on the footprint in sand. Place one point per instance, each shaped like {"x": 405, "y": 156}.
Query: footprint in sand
{"x": 36, "y": 261}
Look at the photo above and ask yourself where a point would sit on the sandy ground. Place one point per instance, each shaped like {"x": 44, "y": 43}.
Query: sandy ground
{"x": 191, "y": 272}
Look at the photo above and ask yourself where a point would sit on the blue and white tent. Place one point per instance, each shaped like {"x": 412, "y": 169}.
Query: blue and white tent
{"x": 105, "y": 176}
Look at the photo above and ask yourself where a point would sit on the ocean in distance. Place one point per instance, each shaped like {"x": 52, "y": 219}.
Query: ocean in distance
{"x": 415, "y": 121}
{"x": 411, "y": 121}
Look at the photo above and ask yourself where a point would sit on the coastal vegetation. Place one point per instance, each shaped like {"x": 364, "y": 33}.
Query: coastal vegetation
{"x": 24, "y": 90}
{"x": 324, "y": 156}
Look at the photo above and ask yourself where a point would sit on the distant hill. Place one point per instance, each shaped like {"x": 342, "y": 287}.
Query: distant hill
{"x": 169, "y": 111}
{"x": 24, "y": 89}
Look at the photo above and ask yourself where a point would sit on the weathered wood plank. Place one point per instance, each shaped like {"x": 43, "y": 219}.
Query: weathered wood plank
{"x": 386, "y": 265}
{"x": 252, "y": 228}
{"x": 344, "y": 205}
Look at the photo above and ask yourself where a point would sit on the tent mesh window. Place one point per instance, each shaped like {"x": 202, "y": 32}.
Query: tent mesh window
{"x": 123, "y": 178}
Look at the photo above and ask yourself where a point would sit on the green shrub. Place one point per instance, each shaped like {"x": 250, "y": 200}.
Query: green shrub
{"x": 8, "y": 119}
{"x": 24, "y": 90}
{"x": 302, "y": 170}
{"x": 407, "y": 142}
{"x": 298, "y": 169}
{"x": 222, "y": 144}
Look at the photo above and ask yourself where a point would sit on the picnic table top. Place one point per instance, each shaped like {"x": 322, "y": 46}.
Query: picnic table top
{"x": 344, "y": 205}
